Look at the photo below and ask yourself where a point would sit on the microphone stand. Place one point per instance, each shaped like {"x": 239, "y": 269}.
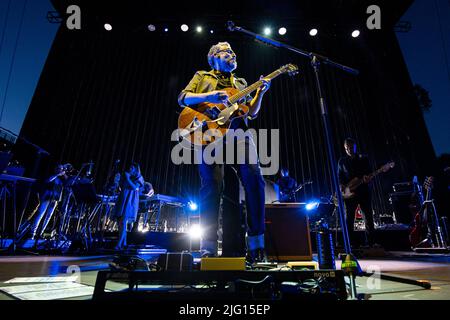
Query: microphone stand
{"x": 349, "y": 263}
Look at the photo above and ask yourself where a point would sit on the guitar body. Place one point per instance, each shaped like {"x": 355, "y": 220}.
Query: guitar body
{"x": 349, "y": 191}
{"x": 210, "y": 116}
{"x": 417, "y": 234}
{"x": 216, "y": 119}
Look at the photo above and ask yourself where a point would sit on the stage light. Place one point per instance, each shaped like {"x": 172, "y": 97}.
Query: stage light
{"x": 166, "y": 29}
{"x": 195, "y": 232}
{"x": 356, "y": 33}
{"x": 184, "y": 27}
{"x": 192, "y": 206}
{"x": 267, "y": 31}
{"x": 312, "y": 205}
{"x": 151, "y": 27}
{"x": 143, "y": 229}
{"x": 108, "y": 27}
{"x": 211, "y": 31}
{"x": 313, "y": 32}
{"x": 282, "y": 31}
{"x": 199, "y": 29}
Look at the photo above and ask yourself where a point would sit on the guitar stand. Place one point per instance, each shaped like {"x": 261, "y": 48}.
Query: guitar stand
{"x": 438, "y": 244}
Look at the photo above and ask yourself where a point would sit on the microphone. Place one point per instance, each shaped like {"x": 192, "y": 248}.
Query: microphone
{"x": 90, "y": 168}
{"x": 231, "y": 26}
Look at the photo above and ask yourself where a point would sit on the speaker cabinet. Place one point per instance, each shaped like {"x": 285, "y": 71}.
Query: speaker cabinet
{"x": 287, "y": 236}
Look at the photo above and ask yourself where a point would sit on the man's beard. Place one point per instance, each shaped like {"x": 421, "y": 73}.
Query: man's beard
{"x": 231, "y": 65}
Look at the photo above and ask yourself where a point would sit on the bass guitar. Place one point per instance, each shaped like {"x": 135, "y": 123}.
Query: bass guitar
{"x": 348, "y": 191}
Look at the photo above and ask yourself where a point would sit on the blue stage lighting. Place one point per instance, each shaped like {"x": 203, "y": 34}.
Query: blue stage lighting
{"x": 192, "y": 206}
{"x": 196, "y": 232}
{"x": 312, "y": 205}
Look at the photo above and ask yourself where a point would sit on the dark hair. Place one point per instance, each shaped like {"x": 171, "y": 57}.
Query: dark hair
{"x": 350, "y": 141}
{"x": 133, "y": 165}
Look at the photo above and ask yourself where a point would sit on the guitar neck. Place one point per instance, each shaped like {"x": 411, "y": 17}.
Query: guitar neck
{"x": 359, "y": 181}
{"x": 375, "y": 173}
{"x": 238, "y": 96}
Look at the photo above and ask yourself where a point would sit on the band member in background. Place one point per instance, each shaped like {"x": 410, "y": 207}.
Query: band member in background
{"x": 350, "y": 166}
{"x": 287, "y": 186}
{"x": 112, "y": 186}
{"x": 49, "y": 198}
{"x": 206, "y": 86}
{"x": 145, "y": 193}
{"x": 127, "y": 206}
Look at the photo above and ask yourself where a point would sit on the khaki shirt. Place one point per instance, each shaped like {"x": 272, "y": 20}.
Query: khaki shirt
{"x": 206, "y": 81}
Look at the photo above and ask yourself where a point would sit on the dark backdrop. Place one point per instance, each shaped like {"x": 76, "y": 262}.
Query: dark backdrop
{"x": 113, "y": 95}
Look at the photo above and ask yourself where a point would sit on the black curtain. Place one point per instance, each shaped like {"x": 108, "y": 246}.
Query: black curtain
{"x": 113, "y": 95}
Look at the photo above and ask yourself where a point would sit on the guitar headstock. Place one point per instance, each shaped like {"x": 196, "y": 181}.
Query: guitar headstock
{"x": 290, "y": 69}
{"x": 428, "y": 183}
{"x": 388, "y": 166}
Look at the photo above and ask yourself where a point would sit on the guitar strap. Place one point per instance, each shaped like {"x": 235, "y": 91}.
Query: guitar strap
{"x": 233, "y": 81}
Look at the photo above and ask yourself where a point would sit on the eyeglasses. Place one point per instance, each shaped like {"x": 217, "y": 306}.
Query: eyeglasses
{"x": 229, "y": 51}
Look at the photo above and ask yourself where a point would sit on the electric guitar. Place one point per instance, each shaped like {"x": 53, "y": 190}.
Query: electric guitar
{"x": 419, "y": 232}
{"x": 348, "y": 191}
{"x": 285, "y": 196}
{"x": 211, "y": 121}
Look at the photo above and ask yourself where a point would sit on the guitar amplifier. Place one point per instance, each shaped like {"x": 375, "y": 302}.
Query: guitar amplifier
{"x": 287, "y": 236}
{"x": 403, "y": 187}
{"x": 400, "y": 202}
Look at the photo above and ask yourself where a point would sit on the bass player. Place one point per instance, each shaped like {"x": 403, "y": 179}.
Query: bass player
{"x": 350, "y": 166}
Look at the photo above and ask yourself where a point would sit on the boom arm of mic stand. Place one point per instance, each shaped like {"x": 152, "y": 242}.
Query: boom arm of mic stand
{"x": 310, "y": 55}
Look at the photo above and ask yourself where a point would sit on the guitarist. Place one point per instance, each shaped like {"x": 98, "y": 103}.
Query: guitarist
{"x": 350, "y": 166}
{"x": 287, "y": 186}
{"x": 207, "y": 86}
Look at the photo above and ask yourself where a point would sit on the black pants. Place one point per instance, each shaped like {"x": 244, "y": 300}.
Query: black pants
{"x": 365, "y": 203}
{"x": 212, "y": 185}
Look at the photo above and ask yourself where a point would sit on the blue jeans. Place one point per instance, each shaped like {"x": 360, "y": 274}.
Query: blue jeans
{"x": 212, "y": 185}
{"x": 46, "y": 209}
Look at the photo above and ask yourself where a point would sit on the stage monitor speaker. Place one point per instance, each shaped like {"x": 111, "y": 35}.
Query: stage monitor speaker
{"x": 287, "y": 236}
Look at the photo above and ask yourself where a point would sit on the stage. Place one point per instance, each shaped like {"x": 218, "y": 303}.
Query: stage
{"x": 434, "y": 268}
{"x": 337, "y": 158}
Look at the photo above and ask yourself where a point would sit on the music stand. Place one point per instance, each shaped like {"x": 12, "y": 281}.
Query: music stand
{"x": 85, "y": 195}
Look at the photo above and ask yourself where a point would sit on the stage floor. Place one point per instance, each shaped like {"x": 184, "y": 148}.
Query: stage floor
{"x": 434, "y": 268}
